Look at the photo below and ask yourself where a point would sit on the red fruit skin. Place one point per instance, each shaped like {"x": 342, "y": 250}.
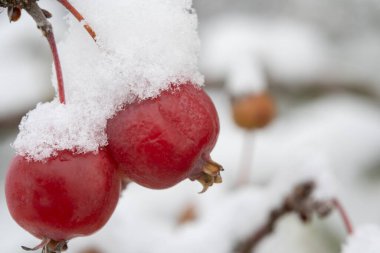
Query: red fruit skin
{"x": 64, "y": 197}
{"x": 161, "y": 141}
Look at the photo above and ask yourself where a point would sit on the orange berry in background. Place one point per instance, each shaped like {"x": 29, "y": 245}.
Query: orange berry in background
{"x": 253, "y": 111}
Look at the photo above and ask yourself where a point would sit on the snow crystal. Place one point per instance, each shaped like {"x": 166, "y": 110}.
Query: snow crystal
{"x": 365, "y": 239}
{"x": 142, "y": 47}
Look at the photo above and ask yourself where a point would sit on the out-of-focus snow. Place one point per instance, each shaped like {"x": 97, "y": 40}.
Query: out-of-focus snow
{"x": 330, "y": 130}
{"x": 142, "y": 47}
{"x": 365, "y": 239}
{"x": 246, "y": 75}
{"x": 24, "y": 71}
{"x": 283, "y": 49}
{"x": 292, "y": 53}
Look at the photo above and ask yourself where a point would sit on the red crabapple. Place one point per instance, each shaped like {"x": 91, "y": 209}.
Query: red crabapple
{"x": 66, "y": 196}
{"x": 161, "y": 141}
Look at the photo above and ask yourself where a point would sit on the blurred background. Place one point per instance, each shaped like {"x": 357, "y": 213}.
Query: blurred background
{"x": 297, "y": 87}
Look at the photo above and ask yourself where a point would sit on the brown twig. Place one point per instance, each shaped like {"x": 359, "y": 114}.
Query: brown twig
{"x": 301, "y": 202}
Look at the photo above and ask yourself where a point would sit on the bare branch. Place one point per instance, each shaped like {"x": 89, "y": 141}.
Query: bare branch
{"x": 301, "y": 202}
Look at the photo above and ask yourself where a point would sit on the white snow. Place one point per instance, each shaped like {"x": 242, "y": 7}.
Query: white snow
{"x": 365, "y": 239}
{"x": 142, "y": 47}
{"x": 284, "y": 49}
{"x": 245, "y": 75}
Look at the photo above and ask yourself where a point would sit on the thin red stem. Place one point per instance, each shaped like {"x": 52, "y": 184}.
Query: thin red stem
{"x": 78, "y": 16}
{"x": 57, "y": 64}
{"x": 344, "y": 215}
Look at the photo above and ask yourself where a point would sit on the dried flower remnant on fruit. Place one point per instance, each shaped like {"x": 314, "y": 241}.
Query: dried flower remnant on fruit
{"x": 49, "y": 246}
{"x": 210, "y": 175}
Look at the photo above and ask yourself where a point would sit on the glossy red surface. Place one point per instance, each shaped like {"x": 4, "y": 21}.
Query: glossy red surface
{"x": 162, "y": 141}
{"x": 64, "y": 197}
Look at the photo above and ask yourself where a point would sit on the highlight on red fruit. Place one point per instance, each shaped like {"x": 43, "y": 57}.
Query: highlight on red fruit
{"x": 161, "y": 141}
{"x": 66, "y": 196}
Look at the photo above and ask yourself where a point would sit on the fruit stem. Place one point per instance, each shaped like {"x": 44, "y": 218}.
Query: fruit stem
{"x": 58, "y": 69}
{"x": 47, "y": 30}
{"x": 344, "y": 215}
{"x": 78, "y": 16}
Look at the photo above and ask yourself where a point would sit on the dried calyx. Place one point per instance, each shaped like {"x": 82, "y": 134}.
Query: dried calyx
{"x": 210, "y": 175}
{"x": 49, "y": 246}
